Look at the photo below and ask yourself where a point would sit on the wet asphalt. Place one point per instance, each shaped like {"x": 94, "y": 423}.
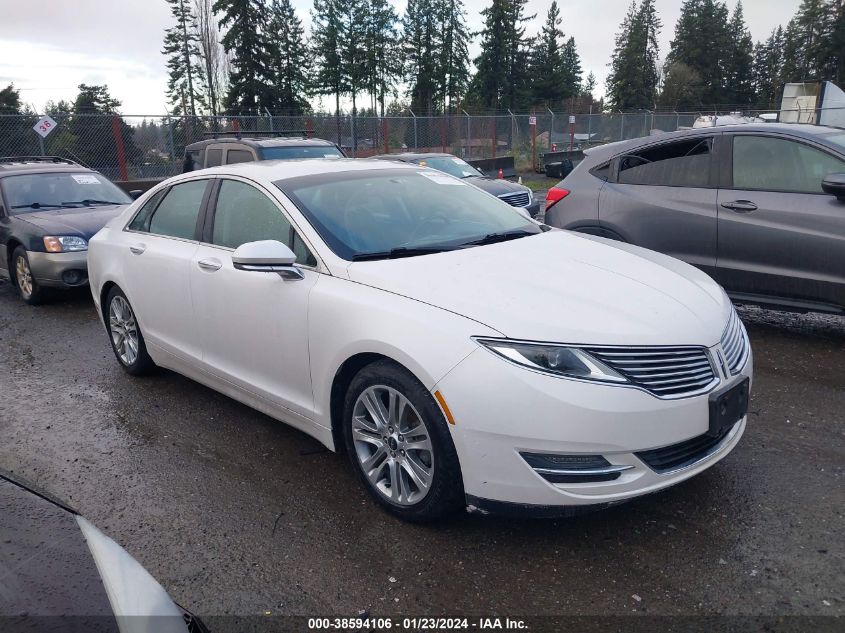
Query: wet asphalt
{"x": 235, "y": 513}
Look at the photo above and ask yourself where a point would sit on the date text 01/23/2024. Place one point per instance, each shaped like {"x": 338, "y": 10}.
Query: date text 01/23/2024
{"x": 416, "y": 624}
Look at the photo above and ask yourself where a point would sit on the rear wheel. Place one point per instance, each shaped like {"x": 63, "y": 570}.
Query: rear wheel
{"x": 28, "y": 288}
{"x": 399, "y": 444}
{"x": 125, "y": 336}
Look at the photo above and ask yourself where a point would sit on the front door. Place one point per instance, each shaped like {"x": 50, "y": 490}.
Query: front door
{"x": 664, "y": 198}
{"x": 780, "y": 236}
{"x": 254, "y": 325}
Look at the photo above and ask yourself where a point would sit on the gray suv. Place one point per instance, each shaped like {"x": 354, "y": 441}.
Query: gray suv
{"x": 214, "y": 152}
{"x": 761, "y": 208}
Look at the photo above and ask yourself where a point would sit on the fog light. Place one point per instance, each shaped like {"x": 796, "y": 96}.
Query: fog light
{"x": 573, "y": 468}
{"x": 73, "y": 277}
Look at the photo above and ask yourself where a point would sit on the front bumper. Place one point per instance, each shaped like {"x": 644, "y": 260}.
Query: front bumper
{"x": 62, "y": 270}
{"x": 502, "y": 410}
{"x": 534, "y": 208}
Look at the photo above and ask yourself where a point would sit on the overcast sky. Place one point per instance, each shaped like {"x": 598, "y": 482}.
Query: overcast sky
{"x": 49, "y": 48}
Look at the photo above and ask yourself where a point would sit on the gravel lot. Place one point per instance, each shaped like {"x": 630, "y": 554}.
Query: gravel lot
{"x": 236, "y": 513}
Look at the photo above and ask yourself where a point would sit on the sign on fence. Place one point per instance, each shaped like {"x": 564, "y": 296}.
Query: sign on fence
{"x": 571, "y": 119}
{"x": 44, "y": 126}
{"x": 532, "y": 120}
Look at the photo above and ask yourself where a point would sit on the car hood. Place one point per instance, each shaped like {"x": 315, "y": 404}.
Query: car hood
{"x": 496, "y": 186}
{"x": 563, "y": 287}
{"x": 82, "y": 222}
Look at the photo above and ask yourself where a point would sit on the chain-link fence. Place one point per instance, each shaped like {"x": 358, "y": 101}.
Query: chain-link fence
{"x": 139, "y": 147}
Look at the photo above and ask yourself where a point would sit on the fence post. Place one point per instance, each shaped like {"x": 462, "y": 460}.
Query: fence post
{"x": 172, "y": 144}
{"x": 384, "y": 135}
{"x": 590, "y": 126}
{"x": 494, "y": 136}
{"x": 551, "y": 129}
{"x": 468, "y": 153}
{"x": 416, "y": 144}
{"x": 622, "y": 128}
{"x": 121, "y": 151}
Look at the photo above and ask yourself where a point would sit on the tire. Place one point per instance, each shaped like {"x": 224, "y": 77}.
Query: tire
{"x": 127, "y": 341}
{"x": 418, "y": 444}
{"x": 28, "y": 289}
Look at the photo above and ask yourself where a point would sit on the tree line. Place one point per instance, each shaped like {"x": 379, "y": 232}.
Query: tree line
{"x": 713, "y": 62}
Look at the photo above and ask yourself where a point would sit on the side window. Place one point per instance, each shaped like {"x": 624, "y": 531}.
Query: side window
{"x": 775, "y": 164}
{"x": 681, "y": 164}
{"x": 141, "y": 221}
{"x": 213, "y": 157}
{"x": 239, "y": 156}
{"x": 244, "y": 214}
{"x": 176, "y": 215}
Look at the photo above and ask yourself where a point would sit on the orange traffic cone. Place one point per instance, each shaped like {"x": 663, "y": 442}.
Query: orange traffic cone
{"x": 501, "y": 174}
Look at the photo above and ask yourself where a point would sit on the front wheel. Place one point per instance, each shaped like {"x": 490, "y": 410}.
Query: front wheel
{"x": 399, "y": 444}
{"x": 125, "y": 336}
{"x": 28, "y": 288}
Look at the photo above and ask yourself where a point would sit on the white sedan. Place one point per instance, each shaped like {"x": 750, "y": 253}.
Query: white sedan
{"x": 461, "y": 354}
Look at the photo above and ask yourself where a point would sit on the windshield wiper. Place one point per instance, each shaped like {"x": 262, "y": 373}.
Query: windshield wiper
{"x": 401, "y": 251}
{"x": 90, "y": 202}
{"x": 39, "y": 205}
{"x": 493, "y": 238}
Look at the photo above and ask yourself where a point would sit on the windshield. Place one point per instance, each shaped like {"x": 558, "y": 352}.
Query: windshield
{"x": 31, "y": 192}
{"x": 362, "y": 213}
{"x": 305, "y": 151}
{"x": 451, "y": 165}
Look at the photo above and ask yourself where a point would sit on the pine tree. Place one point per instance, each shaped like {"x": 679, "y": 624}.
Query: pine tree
{"x": 549, "y": 78}
{"x": 246, "y": 43}
{"x": 633, "y": 79}
{"x": 180, "y": 46}
{"x": 739, "y": 71}
{"x": 702, "y": 43}
{"x": 89, "y": 145}
{"x": 453, "y": 65}
{"x": 290, "y": 62}
{"x": 352, "y": 21}
{"x": 768, "y": 69}
{"x": 809, "y": 39}
{"x": 10, "y": 100}
{"x": 571, "y": 69}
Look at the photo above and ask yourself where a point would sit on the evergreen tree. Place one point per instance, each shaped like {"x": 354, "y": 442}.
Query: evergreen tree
{"x": 325, "y": 45}
{"x": 549, "y": 78}
{"x": 421, "y": 51}
{"x": 180, "y": 46}
{"x": 500, "y": 81}
{"x": 739, "y": 70}
{"x": 702, "y": 43}
{"x": 89, "y": 144}
{"x": 352, "y": 21}
{"x": 453, "y": 66}
{"x": 571, "y": 69}
{"x": 768, "y": 69}
{"x": 10, "y": 100}
{"x": 246, "y": 43}
{"x": 809, "y": 41}
{"x": 383, "y": 59}
{"x": 290, "y": 62}
{"x": 633, "y": 79}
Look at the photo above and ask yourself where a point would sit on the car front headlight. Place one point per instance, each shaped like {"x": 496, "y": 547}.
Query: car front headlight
{"x": 559, "y": 360}
{"x": 65, "y": 244}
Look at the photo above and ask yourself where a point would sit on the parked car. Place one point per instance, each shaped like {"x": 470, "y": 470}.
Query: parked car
{"x": 747, "y": 204}
{"x": 214, "y": 152}
{"x": 513, "y": 193}
{"x": 49, "y": 209}
{"x": 385, "y": 309}
{"x": 58, "y": 566}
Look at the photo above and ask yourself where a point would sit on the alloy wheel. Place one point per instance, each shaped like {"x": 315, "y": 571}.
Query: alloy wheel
{"x": 23, "y": 275}
{"x": 124, "y": 330}
{"x": 393, "y": 445}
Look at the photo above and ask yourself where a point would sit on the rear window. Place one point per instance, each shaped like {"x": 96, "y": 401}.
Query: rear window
{"x": 305, "y": 151}
{"x": 213, "y": 157}
{"x": 239, "y": 156}
{"x": 682, "y": 164}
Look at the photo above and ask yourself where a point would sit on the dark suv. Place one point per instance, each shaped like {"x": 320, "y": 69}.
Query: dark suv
{"x": 759, "y": 207}
{"x": 214, "y": 152}
{"x": 49, "y": 208}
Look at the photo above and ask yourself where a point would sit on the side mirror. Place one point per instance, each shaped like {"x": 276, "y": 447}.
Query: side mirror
{"x": 136, "y": 193}
{"x": 834, "y": 184}
{"x": 267, "y": 256}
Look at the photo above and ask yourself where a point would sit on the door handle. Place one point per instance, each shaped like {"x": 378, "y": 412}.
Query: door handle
{"x": 209, "y": 264}
{"x": 740, "y": 206}
{"x": 137, "y": 249}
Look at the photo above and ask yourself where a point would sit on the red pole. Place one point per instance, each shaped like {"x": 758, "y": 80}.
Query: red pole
{"x": 309, "y": 128}
{"x": 384, "y": 134}
{"x": 493, "y": 138}
{"x": 533, "y": 128}
{"x": 121, "y": 151}
{"x": 443, "y": 135}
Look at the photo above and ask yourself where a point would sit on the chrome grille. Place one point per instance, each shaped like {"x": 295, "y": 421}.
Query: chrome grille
{"x": 518, "y": 199}
{"x": 735, "y": 343}
{"x": 666, "y": 372}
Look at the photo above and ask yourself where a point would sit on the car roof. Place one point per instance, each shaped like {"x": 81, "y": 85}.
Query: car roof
{"x": 801, "y": 130}
{"x": 299, "y": 141}
{"x": 408, "y": 156}
{"x": 275, "y": 170}
{"x": 13, "y": 165}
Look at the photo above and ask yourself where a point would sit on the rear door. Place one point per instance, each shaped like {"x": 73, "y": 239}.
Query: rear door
{"x": 161, "y": 242}
{"x": 663, "y": 197}
{"x": 780, "y": 236}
